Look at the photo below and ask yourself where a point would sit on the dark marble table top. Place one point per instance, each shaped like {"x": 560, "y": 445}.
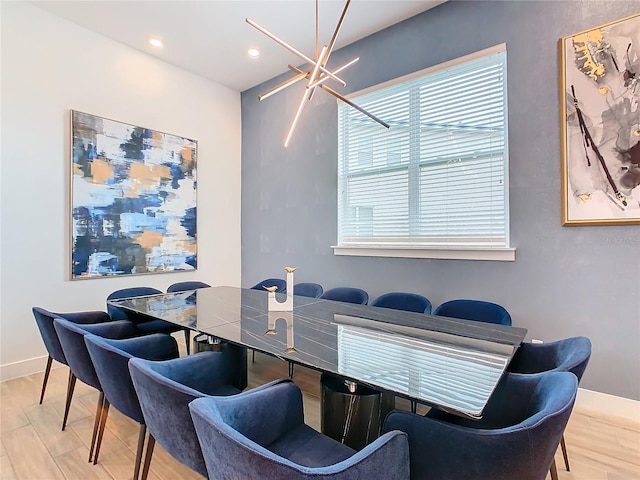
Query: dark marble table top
{"x": 448, "y": 363}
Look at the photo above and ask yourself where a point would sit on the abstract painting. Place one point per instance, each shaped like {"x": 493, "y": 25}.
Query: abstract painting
{"x": 600, "y": 97}
{"x": 133, "y": 199}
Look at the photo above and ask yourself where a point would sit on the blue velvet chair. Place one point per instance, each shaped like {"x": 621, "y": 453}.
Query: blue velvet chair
{"x": 308, "y": 289}
{"x": 144, "y": 324}
{"x": 516, "y": 438}
{"x": 71, "y": 337}
{"x": 184, "y": 286}
{"x": 567, "y": 355}
{"x": 409, "y": 302}
{"x": 165, "y": 390}
{"x": 477, "y": 310}
{"x": 347, "y": 294}
{"x": 111, "y": 361}
{"x": 44, "y": 320}
{"x": 260, "y": 434}
{"x": 272, "y": 282}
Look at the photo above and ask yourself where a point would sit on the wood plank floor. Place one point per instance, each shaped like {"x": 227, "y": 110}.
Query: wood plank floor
{"x": 33, "y": 447}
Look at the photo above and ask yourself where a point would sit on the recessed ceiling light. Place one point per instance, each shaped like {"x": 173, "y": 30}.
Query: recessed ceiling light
{"x": 253, "y": 52}
{"x": 156, "y": 42}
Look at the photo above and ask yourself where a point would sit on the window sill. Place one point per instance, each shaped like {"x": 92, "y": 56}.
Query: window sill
{"x": 502, "y": 254}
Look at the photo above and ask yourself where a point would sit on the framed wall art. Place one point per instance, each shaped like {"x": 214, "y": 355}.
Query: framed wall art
{"x": 133, "y": 199}
{"x": 600, "y": 120}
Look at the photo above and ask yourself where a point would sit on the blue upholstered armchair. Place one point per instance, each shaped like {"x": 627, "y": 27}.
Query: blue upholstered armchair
{"x": 184, "y": 286}
{"x": 165, "y": 390}
{"x": 516, "y": 438}
{"x": 567, "y": 355}
{"x": 260, "y": 434}
{"x": 477, "y": 310}
{"x": 111, "y": 361}
{"x": 308, "y": 289}
{"x": 409, "y": 302}
{"x": 71, "y": 337}
{"x": 44, "y": 320}
{"x": 347, "y": 294}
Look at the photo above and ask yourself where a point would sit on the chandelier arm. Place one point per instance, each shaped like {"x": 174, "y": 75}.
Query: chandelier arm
{"x": 332, "y": 42}
{"x": 295, "y": 119}
{"x": 297, "y": 70}
{"x": 337, "y": 70}
{"x": 316, "y": 68}
{"x": 282, "y": 86}
{"x": 350, "y": 103}
{"x": 293, "y": 50}
{"x": 314, "y": 73}
{"x": 317, "y": 28}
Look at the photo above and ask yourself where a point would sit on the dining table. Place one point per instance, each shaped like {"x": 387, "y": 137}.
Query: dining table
{"x": 447, "y": 363}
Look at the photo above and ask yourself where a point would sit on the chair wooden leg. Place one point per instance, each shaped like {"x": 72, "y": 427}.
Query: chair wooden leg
{"x": 71, "y": 385}
{"x": 46, "y": 377}
{"x": 103, "y": 423}
{"x": 147, "y": 458}
{"x": 187, "y": 339}
{"x": 96, "y": 424}
{"x": 553, "y": 470}
{"x": 564, "y": 453}
{"x": 141, "y": 438}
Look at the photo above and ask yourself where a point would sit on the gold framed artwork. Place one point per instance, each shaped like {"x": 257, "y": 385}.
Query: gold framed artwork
{"x": 600, "y": 121}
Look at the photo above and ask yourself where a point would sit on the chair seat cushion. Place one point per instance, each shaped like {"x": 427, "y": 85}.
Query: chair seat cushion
{"x": 156, "y": 326}
{"x": 305, "y": 446}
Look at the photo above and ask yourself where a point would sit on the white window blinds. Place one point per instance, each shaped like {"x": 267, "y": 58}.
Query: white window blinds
{"x": 438, "y": 176}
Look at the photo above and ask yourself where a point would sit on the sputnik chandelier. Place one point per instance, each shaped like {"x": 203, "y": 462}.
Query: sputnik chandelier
{"x": 317, "y": 75}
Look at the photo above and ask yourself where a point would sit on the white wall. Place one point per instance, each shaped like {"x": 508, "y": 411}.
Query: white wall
{"x": 50, "y": 66}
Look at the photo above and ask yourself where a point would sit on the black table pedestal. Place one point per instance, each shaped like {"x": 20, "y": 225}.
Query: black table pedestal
{"x": 235, "y": 355}
{"x": 352, "y": 413}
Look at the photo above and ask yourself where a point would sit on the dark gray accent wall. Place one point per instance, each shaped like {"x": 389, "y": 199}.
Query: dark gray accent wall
{"x": 565, "y": 281}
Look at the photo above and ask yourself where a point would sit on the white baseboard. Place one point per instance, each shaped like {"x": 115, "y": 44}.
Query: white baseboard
{"x": 24, "y": 367}
{"x": 610, "y": 406}
{"x": 616, "y": 408}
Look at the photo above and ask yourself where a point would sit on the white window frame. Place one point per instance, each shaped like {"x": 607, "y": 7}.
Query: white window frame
{"x": 402, "y": 249}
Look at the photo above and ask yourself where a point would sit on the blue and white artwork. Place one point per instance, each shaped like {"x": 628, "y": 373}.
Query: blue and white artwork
{"x": 133, "y": 199}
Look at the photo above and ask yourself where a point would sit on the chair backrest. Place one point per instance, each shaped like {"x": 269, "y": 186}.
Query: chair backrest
{"x": 272, "y": 282}
{"x": 111, "y": 361}
{"x": 119, "y": 314}
{"x": 184, "y": 286}
{"x": 308, "y": 289}
{"x": 567, "y": 355}
{"x": 347, "y": 294}
{"x": 516, "y": 438}
{"x": 477, "y": 310}
{"x": 71, "y": 337}
{"x": 410, "y": 302}
{"x": 165, "y": 390}
{"x": 44, "y": 320}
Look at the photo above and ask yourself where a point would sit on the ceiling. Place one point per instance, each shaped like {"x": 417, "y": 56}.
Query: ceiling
{"x": 211, "y": 38}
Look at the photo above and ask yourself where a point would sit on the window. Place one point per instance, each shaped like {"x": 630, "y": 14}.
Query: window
{"x": 438, "y": 178}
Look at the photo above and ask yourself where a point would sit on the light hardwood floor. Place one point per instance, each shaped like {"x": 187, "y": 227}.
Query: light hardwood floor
{"x": 34, "y": 448}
